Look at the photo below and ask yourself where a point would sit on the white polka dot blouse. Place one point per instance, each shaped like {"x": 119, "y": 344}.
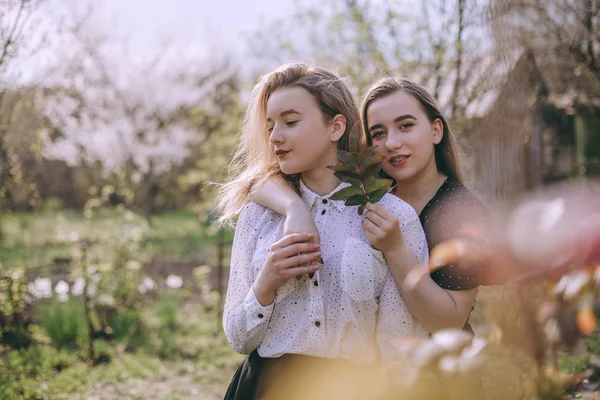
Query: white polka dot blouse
{"x": 349, "y": 309}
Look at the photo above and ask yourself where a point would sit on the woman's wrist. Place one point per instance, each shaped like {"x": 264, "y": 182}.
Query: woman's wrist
{"x": 400, "y": 258}
{"x": 395, "y": 251}
{"x": 264, "y": 294}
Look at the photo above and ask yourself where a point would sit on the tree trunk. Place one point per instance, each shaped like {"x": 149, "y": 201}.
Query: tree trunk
{"x": 459, "y": 53}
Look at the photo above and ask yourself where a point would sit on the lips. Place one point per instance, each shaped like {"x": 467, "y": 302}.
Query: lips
{"x": 398, "y": 160}
{"x": 281, "y": 153}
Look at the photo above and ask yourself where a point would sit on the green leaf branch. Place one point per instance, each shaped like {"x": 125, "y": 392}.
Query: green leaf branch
{"x": 359, "y": 168}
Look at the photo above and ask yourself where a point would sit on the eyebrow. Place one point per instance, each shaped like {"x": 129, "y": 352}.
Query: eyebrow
{"x": 398, "y": 119}
{"x": 287, "y": 112}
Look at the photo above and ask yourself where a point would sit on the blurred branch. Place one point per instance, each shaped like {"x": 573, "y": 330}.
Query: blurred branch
{"x": 17, "y": 26}
{"x": 459, "y": 55}
{"x": 11, "y": 35}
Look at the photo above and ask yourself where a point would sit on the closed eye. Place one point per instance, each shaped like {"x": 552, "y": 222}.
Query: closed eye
{"x": 291, "y": 123}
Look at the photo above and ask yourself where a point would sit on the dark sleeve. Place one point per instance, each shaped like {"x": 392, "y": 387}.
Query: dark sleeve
{"x": 463, "y": 217}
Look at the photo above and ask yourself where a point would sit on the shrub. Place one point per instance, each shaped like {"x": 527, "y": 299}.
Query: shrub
{"x": 63, "y": 322}
{"x": 127, "y": 327}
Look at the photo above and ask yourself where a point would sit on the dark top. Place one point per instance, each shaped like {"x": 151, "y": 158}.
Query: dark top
{"x": 454, "y": 212}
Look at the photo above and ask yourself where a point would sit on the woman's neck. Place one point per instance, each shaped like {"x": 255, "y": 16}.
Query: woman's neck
{"x": 322, "y": 181}
{"x": 418, "y": 191}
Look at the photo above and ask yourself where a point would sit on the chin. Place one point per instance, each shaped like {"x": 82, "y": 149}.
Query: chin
{"x": 399, "y": 175}
{"x": 289, "y": 169}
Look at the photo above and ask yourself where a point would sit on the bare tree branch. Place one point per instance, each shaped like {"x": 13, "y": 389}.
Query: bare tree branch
{"x": 11, "y": 35}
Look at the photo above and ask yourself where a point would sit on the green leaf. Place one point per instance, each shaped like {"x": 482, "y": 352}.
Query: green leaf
{"x": 347, "y": 158}
{"x": 376, "y": 195}
{"x": 356, "y": 200}
{"x": 350, "y": 177}
{"x": 365, "y": 158}
{"x": 340, "y": 167}
{"x": 373, "y": 160}
{"x": 377, "y": 184}
{"x": 371, "y": 171}
{"x": 347, "y": 193}
{"x": 361, "y": 209}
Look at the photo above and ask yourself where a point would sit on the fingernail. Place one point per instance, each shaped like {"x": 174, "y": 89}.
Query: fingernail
{"x": 316, "y": 246}
{"x": 309, "y": 235}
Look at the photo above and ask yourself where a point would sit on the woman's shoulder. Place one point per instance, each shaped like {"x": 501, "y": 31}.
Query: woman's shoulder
{"x": 453, "y": 211}
{"x": 399, "y": 207}
{"x": 453, "y": 198}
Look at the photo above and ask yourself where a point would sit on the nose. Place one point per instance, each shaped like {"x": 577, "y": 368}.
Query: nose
{"x": 276, "y": 136}
{"x": 393, "y": 141}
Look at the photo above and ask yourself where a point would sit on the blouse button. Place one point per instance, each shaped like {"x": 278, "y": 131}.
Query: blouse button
{"x": 323, "y": 212}
{"x": 317, "y": 323}
{"x": 260, "y": 315}
{"x": 316, "y": 283}
{"x": 324, "y": 201}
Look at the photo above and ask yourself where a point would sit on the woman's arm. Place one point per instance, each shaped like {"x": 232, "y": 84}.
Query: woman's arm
{"x": 434, "y": 307}
{"x": 249, "y": 302}
{"x": 279, "y": 196}
{"x": 245, "y": 319}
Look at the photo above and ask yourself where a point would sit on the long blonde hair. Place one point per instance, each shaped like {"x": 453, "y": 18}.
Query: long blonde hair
{"x": 448, "y": 155}
{"x": 253, "y": 161}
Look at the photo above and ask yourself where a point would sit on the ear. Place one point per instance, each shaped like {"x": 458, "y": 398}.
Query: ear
{"x": 438, "y": 130}
{"x": 338, "y": 127}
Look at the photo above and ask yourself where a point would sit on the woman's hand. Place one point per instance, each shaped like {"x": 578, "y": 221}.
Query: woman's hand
{"x": 285, "y": 260}
{"x": 298, "y": 219}
{"x": 382, "y": 229}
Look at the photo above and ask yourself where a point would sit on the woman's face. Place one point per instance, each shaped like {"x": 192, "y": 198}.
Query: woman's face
{"x": 299, "y": 135}
{"x": 404, "y": 135}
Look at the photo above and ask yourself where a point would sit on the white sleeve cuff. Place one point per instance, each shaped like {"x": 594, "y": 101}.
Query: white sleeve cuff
{"x": 256, "y": 313}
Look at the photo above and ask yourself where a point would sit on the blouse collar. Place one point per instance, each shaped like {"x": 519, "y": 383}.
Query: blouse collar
{"x": 311, "y": 197}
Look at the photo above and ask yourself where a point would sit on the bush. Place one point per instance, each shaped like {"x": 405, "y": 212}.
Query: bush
{"x": 592, "y": 342}
{"x": 23, "y": 373}
{"x": 63, "y": 322}
{"x": 127, "y": 327}
{"x": 166, "y": 309}
{"x": 573, "y": 363}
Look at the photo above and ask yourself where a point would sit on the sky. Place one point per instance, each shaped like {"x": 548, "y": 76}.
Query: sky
{"x": 196, "y": 22}
{"x": 216, "y": 28}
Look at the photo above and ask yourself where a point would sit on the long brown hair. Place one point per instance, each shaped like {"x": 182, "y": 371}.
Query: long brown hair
{"x": 254, "y": 162}
{"x": 448, "y": 155}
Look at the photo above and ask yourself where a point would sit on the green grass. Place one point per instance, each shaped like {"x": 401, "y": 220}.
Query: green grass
{"x": 199, "y": 364}
{"x": 35, "y": 238}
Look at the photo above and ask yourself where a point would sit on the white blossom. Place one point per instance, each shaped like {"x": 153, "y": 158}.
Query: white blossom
{"x": 73, "y": 236}
{"x": 147, "y": 285}
{"x": 61, "y": 287}
{"x": 40, "y": 288}
{"x": 106, "y": 300}
{"x": 174, "y": 281}
{"x": 62, "y": 297}
{"x": 77, "y": 288}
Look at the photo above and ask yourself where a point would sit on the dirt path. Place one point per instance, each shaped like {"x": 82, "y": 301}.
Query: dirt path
{"x": 180, "y": 383}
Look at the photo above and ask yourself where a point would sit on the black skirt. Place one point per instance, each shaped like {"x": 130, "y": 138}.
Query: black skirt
{"x": 244, "y": 383}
